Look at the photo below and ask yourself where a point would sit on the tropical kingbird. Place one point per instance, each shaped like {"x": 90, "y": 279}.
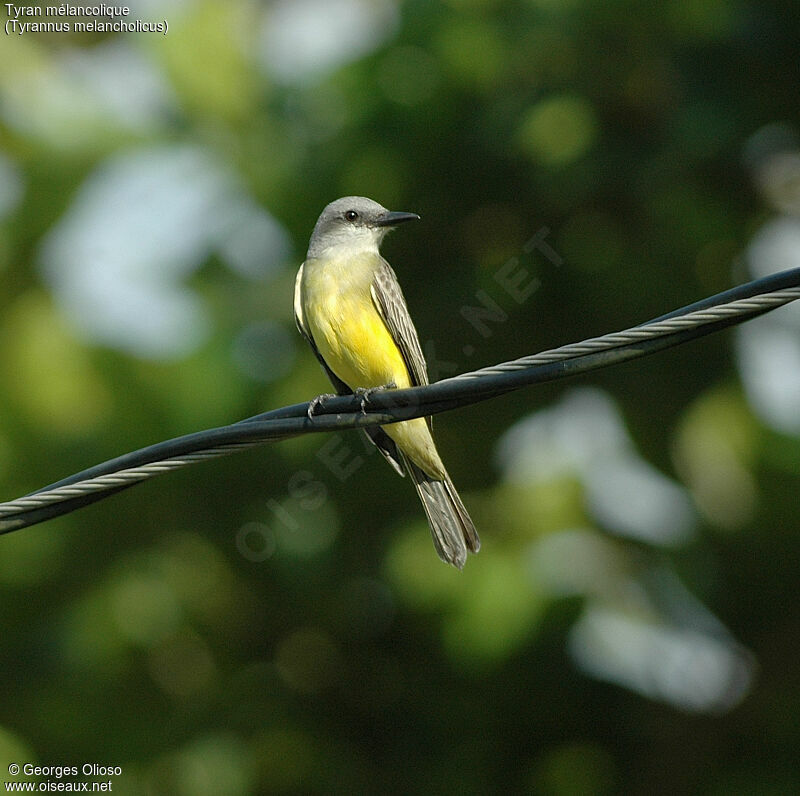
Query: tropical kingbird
{"x": 349, "y": 306}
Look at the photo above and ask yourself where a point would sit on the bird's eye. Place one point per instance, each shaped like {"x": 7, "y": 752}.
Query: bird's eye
{"x": 351, "y": 215}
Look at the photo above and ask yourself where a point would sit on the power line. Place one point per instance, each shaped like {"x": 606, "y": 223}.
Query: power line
{"x": 379, "y": 408}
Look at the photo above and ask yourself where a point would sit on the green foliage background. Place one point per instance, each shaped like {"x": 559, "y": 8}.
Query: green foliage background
{"x": 260, "y": 624}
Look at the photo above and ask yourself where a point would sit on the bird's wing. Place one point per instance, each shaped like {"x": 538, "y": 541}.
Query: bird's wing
{"x": 388, "y": 299}
{"x": 299, "y": 319}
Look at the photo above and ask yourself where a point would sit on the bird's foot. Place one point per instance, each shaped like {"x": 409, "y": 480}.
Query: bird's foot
{"x": 317, "y": 402}
{"x": 364, "y": 393}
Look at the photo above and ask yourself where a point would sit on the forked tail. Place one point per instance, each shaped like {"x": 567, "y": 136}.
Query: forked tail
{"x": 451, "y": 527}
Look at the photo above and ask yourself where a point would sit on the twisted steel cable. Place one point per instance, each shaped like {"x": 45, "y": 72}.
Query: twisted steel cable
{"x": 378, "y": 408}
{"x": 606, "y": 342}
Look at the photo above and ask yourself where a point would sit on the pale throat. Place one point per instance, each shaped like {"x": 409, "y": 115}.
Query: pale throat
{"x": 343, "y": 247}
{"x": 353, "y": 247}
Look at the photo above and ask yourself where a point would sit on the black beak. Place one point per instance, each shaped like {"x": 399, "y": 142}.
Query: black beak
{"x": 392, "y": 218}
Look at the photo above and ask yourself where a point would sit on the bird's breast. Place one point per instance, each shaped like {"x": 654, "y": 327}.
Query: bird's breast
{"x": 348, "y": 331}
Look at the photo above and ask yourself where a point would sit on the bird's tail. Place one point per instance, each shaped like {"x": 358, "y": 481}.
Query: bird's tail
{"x": 451, "y": 527}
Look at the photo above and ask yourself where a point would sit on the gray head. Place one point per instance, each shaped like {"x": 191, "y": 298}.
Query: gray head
{"x": 353, "y": 223}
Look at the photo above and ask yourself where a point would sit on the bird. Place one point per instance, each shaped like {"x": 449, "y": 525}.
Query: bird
{"x": 350, "y": 308}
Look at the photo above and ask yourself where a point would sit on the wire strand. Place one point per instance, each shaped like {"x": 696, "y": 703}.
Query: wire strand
{"x": 759, "y": 304}
{"x": 345, "y": 412}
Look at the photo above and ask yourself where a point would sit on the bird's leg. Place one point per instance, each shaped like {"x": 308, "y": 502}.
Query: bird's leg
{"x": 365, "y": 392}
{"x": 317, "y": 402}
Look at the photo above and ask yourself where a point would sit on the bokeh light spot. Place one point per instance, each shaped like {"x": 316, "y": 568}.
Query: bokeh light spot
{"x": 558, "y": 130}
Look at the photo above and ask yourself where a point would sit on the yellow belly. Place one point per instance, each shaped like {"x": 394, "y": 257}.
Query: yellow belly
{"x": 348, "y": 331}
{"x": 353, "y": 340}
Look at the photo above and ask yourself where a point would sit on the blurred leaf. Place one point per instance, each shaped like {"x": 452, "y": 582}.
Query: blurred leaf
{"x": 54, "y": 384}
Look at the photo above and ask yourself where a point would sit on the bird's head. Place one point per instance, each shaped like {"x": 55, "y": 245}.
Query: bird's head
{"x": 354, "y": 224}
